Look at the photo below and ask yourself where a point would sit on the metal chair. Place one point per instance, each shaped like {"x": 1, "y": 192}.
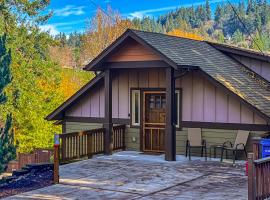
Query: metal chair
{"x": 239, "y": 145}
{"x": 195, "y": 141}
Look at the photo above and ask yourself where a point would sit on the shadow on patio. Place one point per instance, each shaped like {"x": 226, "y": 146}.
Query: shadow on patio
{"x": 132, "y": 175}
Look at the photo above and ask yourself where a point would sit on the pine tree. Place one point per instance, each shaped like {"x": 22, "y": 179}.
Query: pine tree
{"x": 7, "y": 148}
{"x": 208, "y": 10}
{"x": 218, "y": 14}
{"x": 7, "y": 144}
{"x": 5, "y": 74}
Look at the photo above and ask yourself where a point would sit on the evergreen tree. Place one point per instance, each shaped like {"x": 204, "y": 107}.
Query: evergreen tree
{"x": 208, "y": 10}
{"x": 250, "y": 7}
{"x": 7, "y": 144}
{"x": 238, "y": 36}
{"x": 5, "y": 61}
{"x": 218, "y": 14}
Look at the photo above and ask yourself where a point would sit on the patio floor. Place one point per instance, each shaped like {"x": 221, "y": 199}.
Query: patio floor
{"x": 131, "y": 175}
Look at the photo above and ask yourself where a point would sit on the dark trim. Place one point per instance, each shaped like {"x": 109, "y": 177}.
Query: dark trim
{"x": 108, "y": 125}
{"x": 64, "y": 126}
{"x": 227, "y": 91}
{"x": 100, "y": 120}
{"x": 226, "y": 126}
{"x": 58, "y": 113}
{"x": 136, "y": 64}
{"x": 170, "y": 134}
{"x": 240, "y": 51}
{"x": 141, "y": 119}
{"x": 97, "y": 62}
{"x": 121, "y": 121}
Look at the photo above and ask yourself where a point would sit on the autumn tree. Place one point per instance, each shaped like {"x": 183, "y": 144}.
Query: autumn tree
{"x": 101, "y": 31}
{"x": 184, "y": 34}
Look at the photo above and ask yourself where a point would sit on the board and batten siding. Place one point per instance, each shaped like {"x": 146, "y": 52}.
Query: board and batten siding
{"x": 201, "y": 100}
{"x": 260, "y": 67}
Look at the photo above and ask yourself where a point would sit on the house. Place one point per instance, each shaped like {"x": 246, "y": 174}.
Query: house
{"x": 160, "y": 85}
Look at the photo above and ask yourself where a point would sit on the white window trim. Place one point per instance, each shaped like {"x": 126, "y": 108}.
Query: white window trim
{"x": 133, "y": 92}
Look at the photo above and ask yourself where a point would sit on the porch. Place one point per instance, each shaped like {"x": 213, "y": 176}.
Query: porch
{"x": 133, "y": 175}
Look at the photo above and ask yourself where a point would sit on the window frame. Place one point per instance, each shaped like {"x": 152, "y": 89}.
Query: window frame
{"x": 132, "y": 108}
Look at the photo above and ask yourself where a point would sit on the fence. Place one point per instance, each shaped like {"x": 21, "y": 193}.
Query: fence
{"x": 258, "y": 178}
{"x": 38, "y": 156}
{"x": 88, "y": 143}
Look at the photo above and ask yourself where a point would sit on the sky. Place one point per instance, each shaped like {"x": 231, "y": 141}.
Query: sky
{"x": 71, "y": 15}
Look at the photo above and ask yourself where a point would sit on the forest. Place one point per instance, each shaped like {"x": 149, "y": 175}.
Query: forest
{"x": 39, "y": 71}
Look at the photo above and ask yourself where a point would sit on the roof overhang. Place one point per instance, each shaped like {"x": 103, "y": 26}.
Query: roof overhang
{"x": 58, "y": 113}
{"x": 241, "y": 51}
{"x": 99, "y": 62}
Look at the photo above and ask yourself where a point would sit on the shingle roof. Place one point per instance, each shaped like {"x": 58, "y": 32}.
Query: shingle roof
{"x": 222, "y": 68}
{"x": 179, "y": 52}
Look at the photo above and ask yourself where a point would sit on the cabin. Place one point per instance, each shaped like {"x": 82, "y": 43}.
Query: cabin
{"x": 160, "y": 85}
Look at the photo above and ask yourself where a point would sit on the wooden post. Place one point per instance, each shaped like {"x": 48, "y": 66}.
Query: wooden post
{"x": 56, "y": 159}
{"x": 108, "y": 146}
{"x": 251, "y": 178}
{"x": 170, "y": 134}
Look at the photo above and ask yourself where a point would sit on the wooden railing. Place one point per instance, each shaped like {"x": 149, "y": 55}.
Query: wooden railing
{"x": 80, "y": 144}
{"x": 119, "y": 137}
{"x": 88, "y": 143}
{"x": 256, "y": 148}
{"x": 258, "y": 178}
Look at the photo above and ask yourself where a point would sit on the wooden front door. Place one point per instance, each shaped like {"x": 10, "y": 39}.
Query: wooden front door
{"x": 154, "y": 121}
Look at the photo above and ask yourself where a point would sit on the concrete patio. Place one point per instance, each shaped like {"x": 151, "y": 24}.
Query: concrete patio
{"x": 131, "y": 175}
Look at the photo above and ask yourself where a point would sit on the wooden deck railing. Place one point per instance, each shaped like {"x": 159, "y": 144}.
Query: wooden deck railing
{"x": 258, "y": 178}
{"x": 88, "y": 143}
{"x": 80, "y": 144}
{"x": 119, "y": 137}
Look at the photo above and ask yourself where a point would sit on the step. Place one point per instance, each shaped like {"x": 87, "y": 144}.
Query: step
{"x": 20, "y": 172}
{"x": 40, "y": 166}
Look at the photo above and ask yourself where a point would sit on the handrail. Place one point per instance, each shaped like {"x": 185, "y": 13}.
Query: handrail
{"x": 76, "y": 145}
{"x": 258, "y": 178}
{"x": 261, "y": 161}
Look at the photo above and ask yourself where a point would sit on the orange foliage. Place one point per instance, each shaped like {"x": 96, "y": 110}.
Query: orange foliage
{"x": 72, "y": 81}
{"x": 62, "y": 55}
{"x": 184, "y": 34}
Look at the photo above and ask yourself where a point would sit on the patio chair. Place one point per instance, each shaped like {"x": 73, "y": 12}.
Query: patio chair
{"x": 239, "y": 145}
{"x": 195, "y": 141}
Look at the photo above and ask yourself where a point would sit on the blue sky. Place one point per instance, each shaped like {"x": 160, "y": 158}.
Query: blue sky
{"x": 70, "y": 15}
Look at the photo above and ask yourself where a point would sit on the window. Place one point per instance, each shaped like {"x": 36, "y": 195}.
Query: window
{"x": 177, "y": 107}
{"x": 135, "y": 109}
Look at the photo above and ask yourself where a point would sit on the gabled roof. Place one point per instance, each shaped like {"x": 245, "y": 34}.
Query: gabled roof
{"x": 241, "y": 51}
{"x": 57, "y": 113}
{"x": 181, "y": 52}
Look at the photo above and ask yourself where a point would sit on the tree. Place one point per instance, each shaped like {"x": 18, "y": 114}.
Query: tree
{"x": 101, "y": 31}
{"x": 23, "y": 11}
{"x": 238, "y": 36}
{"x": 7, "y": 148}
{"x": 208, "y": 10}
{"x": 5, "y": 61}
{"x": 184, "y": 34}
{"x": 7, "y": 144}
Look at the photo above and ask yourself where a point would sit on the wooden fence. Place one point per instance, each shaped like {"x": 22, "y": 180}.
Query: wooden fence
{"x": 88, "y": 143}
{"x": 37, "y": 156}
{"x": 258, "y": 178}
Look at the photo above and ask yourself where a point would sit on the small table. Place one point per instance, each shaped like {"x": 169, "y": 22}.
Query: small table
{"x": 215, "y": 147}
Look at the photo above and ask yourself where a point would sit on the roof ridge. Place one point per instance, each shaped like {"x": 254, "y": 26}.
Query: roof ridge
{"x": 163, "y": 34}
